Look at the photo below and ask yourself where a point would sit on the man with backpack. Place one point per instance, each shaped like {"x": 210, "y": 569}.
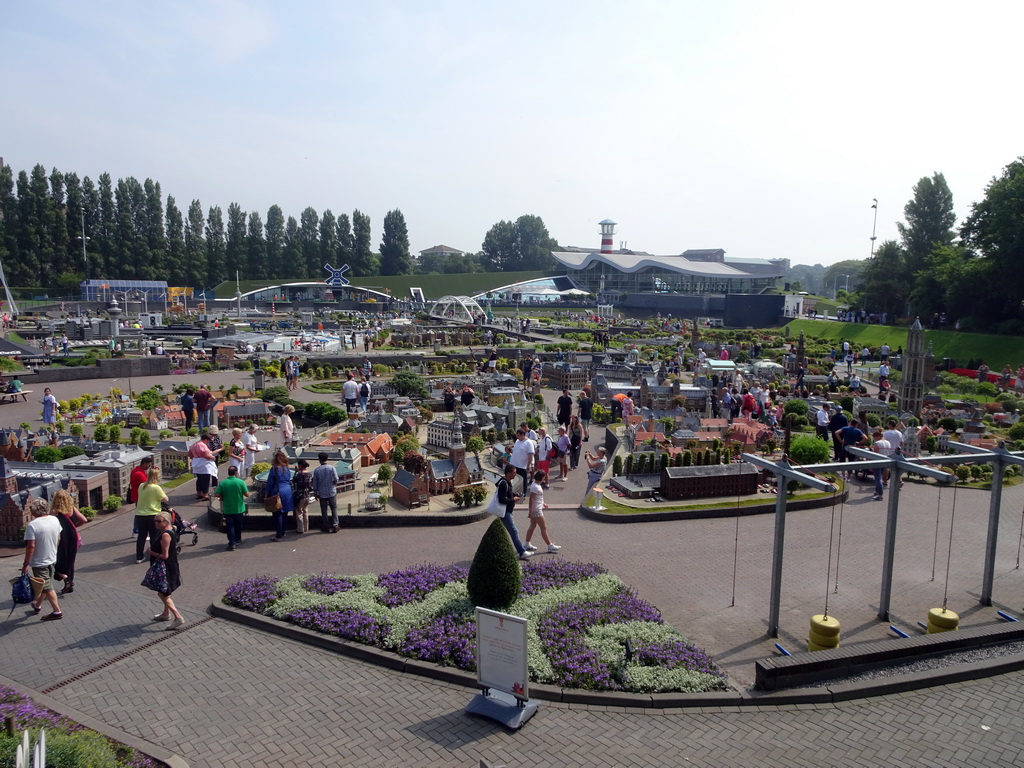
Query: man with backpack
{"x": 364, "y": 393}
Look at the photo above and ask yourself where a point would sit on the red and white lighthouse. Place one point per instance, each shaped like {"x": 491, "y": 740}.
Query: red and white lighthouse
{"x": 607, "y": 230}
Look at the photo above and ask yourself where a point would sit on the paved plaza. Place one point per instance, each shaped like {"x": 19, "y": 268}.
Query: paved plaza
{"x": 219, "y": 694}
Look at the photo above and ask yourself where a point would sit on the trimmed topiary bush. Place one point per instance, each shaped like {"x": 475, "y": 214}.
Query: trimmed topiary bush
{"x": 809, "y": 450}
{"x": 495, "y": 578}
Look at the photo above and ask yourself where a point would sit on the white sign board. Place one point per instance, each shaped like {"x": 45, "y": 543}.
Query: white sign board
{"x": 501, "y": 652}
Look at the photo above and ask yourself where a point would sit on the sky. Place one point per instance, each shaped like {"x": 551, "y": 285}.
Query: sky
{"x": 763, "y": 127}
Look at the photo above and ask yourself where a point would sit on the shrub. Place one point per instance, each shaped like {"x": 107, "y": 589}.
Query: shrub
{"x": 1017, "y": 431}
{"x": 100, "y": 433}
{"x": 112, "y": 503}
{"x": 258, "y": 469}
{"x": 808, "y": 450}
{"x": 796, "y": 406}
{"x": 617, "y": 466}
{"x": 948, "y": 424}
{"x": 67, "y": 451}
{"x": 88, "y": 512}
{"x": 494, "y": 577}
{"x": 384, "y": 473}
{"x": 321, "y": 411}
{"x": 243, "y": 365}
{"x": 46, "y": 454}
{"x": 475, "y": 444}
{"x": 963, "y": 473}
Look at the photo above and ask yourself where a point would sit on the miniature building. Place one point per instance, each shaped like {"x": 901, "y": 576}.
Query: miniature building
{"x": 409, "y": 489}
{"x": 118, "y": 464}
{"x": 373, "y": 448}
{"x": 566, "y": 376}
{"x": 457, "y": 471}
{"x": 709, "y": 481}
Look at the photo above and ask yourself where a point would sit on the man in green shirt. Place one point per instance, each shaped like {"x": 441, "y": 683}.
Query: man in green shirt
{"x": 232, "y": 491}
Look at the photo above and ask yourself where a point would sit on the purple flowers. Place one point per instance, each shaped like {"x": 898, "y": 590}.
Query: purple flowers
{"x": 255, "y": 594}
{"x": 447, "y": 640}
{"x": 414, "y": 584}
{"x": 348, "y": 623}
{"x": 326, "y": 584}
{"x": 391, "y": 612}
{"x": 677, "y": 654}
{"x": 563, "y": 632}
{"x": 539, "y": 575}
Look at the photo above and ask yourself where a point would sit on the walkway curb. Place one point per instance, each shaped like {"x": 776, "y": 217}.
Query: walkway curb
{"x": 715, "y": 699}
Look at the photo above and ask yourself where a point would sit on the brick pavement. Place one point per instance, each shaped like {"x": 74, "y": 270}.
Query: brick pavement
{"x": 219, "y": 676}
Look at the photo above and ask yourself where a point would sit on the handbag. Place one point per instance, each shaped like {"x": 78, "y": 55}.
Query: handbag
{"x": 272, "y": 503}
{"x": 496, "y": 508}
{"x": 156, "y": 577}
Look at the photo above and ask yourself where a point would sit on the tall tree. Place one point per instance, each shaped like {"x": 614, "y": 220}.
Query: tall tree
{"x": 215, "y": 246}
{"x": 500, "y": 247}
{"x": 57, "y": 214}
{"x": 309, "y": 237}
{"x": 194, "y": 271}
{"x": 175, "y": 261}
{"x": 154, "y": 266}
{"x": 344, "y": 236}
{"x": 75, "y": 208}
{"x": 276, "y": 266}
{"x": 995, "y": 230}
{"x": 25, "y": 270}
{"x": 131, "y": 250}
{"x": 9, "y": 254}
{"x": 234, "y": 254}
{"x": 535, "y": 244}
{"x": 363, "y": 261}
{"x": 294, "y": 265}
{"x": 328, "y": 244}
{"x": 394, "y": 245}
{"x": 256, "y": 248}
{"x": 106, "y": 234}
{"x": 930, "y": 220}
{"x": 882, "y": 286}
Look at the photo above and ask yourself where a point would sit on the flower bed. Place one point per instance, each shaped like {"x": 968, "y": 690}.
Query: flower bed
{"x": 579, "y": 618}
{"x": 67, "y": 742}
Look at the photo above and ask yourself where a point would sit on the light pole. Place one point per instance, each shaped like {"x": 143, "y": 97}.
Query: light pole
{"x": 847, "y": 289}
{"x": 85, "y": 254}
{"x": 874, "y": 224}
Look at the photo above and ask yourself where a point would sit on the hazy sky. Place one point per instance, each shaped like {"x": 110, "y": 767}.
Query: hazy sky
{"x": 764, "y": 128}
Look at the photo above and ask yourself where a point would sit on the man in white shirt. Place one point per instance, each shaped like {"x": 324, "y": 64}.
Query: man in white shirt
{"x": 894, "y": 437}
{"x": 251, "y": 444}
{"x": 822, "y": 422}
{"x": 882, "y": 447}
{"x": 350, "y": 391}
{"x": 42, "y": 535}
{"x": 524, "y": 451}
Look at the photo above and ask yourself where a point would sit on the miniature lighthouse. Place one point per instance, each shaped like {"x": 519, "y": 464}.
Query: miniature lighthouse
{"x": 607, "y": 230}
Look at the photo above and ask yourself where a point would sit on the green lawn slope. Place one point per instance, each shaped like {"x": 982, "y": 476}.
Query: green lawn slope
{"x": 997, "y": 351}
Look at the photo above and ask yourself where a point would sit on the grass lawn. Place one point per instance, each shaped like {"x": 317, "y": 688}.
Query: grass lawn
{"x": 180, "y": 480}
{"x": 997, "y": 351}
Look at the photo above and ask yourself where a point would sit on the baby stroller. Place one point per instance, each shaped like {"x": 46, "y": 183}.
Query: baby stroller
{"x": 182, "y": 527}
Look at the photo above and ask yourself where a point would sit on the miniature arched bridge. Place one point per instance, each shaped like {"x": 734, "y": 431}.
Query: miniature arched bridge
{"x": 460, "y": 309}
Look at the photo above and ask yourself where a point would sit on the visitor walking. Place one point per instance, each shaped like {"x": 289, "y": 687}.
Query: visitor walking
{"x": 279, "y": 483}
{"x": 536, "y": 514}
{"x": 163, "y": 576}
{"x": 205, "y": 402}
{"x": 42, "y": 538}
{"x": 586, "y": 412}
{"x": 50, "y": 409}
{"x": 564, "y": 410}
{"x": 564, "y": 446}
{"x": 524, "y": 452}
{"x": 204, "y": 465}
{"x": 151, "y": 496}
{"x": 508, "y": 498}
{"x": 188, "y": 407}
{"x": 68, "y": 515}
{"x": 287, "y": 426}
{"x": 577, "y": 436}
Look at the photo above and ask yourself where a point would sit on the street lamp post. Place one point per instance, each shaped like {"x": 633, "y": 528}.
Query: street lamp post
{"x": 874, "y": 224}
{"x": 85, "y": 254}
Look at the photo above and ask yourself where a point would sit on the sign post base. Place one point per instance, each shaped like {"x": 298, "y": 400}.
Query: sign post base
{"x": 503, "y": 708}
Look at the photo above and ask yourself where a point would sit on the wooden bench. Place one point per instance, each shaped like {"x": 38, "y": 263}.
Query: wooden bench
{"x": 12, "y": 397}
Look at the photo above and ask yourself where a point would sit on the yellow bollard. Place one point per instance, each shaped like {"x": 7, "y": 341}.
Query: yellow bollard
{"x": 824, "y": 633}
{"x": 942, "y": 620}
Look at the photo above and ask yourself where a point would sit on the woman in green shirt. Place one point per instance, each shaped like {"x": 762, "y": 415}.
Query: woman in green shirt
{"x": 150, "y": 497}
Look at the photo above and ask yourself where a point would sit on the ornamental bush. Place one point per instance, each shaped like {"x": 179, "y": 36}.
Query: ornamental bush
{"x": 494, "y": 577}
{"x": 809, "y": 450}
{"x": 797, "y": 406}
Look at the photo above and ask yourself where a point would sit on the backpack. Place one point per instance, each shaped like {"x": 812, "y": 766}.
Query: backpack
{"x": 21, "y": 591}
{"x": 552, "y": 446}
{"x": 364, "y": 390}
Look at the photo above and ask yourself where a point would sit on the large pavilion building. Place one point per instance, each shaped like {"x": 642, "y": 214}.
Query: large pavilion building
{"x": 692, "y": 282}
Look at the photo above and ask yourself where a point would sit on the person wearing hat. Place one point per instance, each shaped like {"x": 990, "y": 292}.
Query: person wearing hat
{"x": 287, "y": 427}
{"x": 252, "y": 447}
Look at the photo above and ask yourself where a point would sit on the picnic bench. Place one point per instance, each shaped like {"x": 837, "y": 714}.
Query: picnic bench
{"x": 12, "y": 397}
